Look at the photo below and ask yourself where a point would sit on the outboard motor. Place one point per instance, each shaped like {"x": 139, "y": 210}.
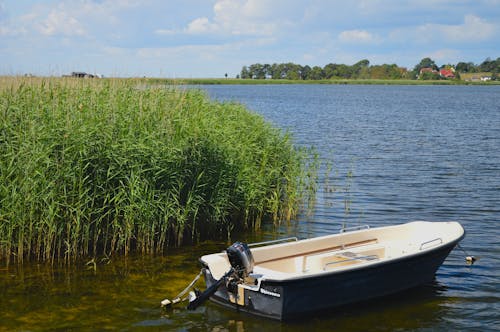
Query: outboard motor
{"x": 241, "y": 259}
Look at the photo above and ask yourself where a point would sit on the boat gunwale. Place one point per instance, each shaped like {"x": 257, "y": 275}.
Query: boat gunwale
{"x": 291, "y": 277}
{"x": 364, "y": 265}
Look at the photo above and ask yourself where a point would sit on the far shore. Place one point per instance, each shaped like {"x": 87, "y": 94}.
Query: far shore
{"x": 208, "y": 81}
{"x": 236, "y": 81}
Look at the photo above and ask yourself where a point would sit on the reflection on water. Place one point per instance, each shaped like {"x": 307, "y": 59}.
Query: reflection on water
{"x": 114, "y": 295}
{"x": 125, "y": 294}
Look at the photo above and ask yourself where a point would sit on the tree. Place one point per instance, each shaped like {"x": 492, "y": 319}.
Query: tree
{"x": 428, "y": 75}
{"x": 245, "y": 73}
{"x": 267, "y": 70}
{"x": 425, "y": 63}
{"x": 305, "y": 72}
{"x": 362, "y": 63}
{"x": 489, "y": 65}
{"x": 344, "y": 71}
{"x": 292, "y": 71}
{"x": 466, "y": 67}
{"x": 278, "y": 71}
{"x": 316, "y": 73}
{"x": 330, "y": 70}
{"x": 257, "y": 71}
{"x": 386, "y": 72}
{"x": 361, "y": 69}
{"x": 333, "y": 70}
{"x": 274, "y": 71}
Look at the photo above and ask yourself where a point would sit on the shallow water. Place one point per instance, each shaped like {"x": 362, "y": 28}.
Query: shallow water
{"x": 398, "y": 153}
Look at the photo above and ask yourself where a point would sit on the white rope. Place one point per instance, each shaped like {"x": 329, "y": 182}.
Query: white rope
{"x": 177, "y": 299}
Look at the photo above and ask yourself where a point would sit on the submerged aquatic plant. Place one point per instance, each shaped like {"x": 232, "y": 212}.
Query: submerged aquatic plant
{"x": 96, "y": 167}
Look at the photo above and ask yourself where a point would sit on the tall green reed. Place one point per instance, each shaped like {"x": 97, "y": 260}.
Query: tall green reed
{"x": 98, "y": 167}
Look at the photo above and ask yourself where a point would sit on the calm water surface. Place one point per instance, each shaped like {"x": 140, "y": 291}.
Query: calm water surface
{"x": 391, "y": 154}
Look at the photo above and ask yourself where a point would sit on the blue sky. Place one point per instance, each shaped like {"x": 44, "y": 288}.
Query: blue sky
{"x": 208, "y": 38}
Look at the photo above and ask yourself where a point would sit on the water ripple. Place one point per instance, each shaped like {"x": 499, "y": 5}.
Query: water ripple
{"x": 426, "y": 152}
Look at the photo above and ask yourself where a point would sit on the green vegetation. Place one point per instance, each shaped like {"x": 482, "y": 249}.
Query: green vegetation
{"x": 97, "y": 167}
{"x": 214, "y": 81}
{"x": 362, "y": 70}
{"x": 292, "y": 71}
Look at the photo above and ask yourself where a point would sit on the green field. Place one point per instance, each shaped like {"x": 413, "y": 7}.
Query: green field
{"x": 98, "y": 167}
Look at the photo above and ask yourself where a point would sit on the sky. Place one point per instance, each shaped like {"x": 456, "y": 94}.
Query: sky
{"x": 211, "y": 38}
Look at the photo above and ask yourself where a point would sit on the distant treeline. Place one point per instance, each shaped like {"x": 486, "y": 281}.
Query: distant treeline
{"x": 360, "y": 70}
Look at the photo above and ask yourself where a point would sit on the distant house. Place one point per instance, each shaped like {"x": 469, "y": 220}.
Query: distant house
{"x": 427, "y": 70}
{"x": 447, "y": 73}
{"x": 81, "y": 74}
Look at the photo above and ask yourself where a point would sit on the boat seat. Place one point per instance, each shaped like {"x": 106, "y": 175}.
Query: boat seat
{"x": 336, "y": 259}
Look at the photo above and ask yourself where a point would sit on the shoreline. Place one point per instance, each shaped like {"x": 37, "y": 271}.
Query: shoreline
{"x": 236, "y": 81}
{"x": 240, "y": 81}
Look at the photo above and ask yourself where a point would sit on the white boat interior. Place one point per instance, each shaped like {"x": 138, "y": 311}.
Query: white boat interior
{"x": 338, "y": 252}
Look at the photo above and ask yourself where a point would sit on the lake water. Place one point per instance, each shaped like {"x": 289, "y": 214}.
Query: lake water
{"x": 402, "y": 153}
{"x": 391, "y": 154}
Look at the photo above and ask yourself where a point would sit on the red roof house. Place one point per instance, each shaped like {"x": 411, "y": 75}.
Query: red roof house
{"x": 447, "y": 73}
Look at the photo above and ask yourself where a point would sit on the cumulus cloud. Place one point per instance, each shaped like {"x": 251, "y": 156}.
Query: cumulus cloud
{"x": 473, "y": 29}
{"x": 238, "y": 17}
{"x": 67, "y": 18}
{"x": 61, "y": 23}
{"x": 358, "y": 36}
{"x": 201, "y": 25}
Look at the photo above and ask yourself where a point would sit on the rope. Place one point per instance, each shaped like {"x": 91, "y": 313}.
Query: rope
{"x": 190, "y": 285}
{"x": 177, "y": 299}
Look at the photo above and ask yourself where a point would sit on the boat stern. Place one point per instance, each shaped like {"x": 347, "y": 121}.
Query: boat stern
{"x": 251, "y": 295}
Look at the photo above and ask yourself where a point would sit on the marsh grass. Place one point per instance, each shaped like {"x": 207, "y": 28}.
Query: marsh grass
{"x": 98, "y": 167}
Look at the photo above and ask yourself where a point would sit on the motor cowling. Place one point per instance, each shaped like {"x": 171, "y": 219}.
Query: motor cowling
{"x": 241, "y": 259}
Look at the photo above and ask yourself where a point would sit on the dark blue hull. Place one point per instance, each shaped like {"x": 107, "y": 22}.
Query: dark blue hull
{"x": 289, "y": 299}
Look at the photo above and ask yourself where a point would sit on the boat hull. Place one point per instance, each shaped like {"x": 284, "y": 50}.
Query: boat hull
{"x": 289, "y": 299}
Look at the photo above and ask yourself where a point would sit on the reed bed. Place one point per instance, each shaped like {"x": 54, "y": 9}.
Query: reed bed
{"x": 98, "y": 167}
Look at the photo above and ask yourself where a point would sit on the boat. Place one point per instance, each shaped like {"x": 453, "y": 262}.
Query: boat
{"x": 290, "y": 278}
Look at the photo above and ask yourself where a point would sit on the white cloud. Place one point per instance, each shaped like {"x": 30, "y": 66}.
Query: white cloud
{"x": 238, "y": 17}
{"x": 358, "y": 36}
{"x": 61, "y": 23}
{"x": 201, "y": 25}
{"x": 446, "y": 55}
{"x": 473, "y": 29}
{"x": 68, "y": 18}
